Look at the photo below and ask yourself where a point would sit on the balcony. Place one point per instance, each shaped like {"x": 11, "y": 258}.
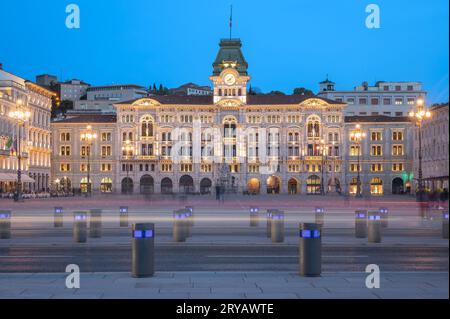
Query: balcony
{"x": 313, "y": 158}
{"x": 146, "y": 157}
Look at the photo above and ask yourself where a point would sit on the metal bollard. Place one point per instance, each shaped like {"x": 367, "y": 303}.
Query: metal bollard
{"x": 188, "y": 222}
{"x": 361, "y": 224}
{"x": 445, "y": 224}
{"x": 320, "y": 216}
{"x": 143, "y": 250}
{"x": 269, "y": 222}
{"x": 179, "y": 226}
{"x": 374, "y": 227}
{"x": 254, "y": 218}
{"x": 277, "y": 227}
{"x": 5, "y": 224}
{"x": 58, "y": 217}
{"x": 191, "y": 215}
{"x": 384, "y": 212}
{"x": 95, "y": 223}
{"x": 310, "y": 246}
{"x": 123, "y": 216}
{"x": 80, "y": 227}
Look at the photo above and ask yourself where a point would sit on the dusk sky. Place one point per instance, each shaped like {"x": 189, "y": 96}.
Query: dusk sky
{"x": 287, "y": 43}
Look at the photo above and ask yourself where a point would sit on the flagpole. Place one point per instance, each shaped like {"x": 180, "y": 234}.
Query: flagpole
{"x": 231, "y": 19}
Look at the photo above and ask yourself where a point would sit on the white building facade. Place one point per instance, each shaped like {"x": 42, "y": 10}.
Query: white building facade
{"x": 35, "y": 134}
{"x": 384, "y": 98}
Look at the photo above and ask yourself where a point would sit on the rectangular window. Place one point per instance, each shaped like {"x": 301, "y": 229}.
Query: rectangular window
{"x": 106, "y": 150}
{"x": 106, "y": 137}
{"x": 64, "y": 167}
{"x": 355, "y": 150}
{"x": 397, "y": 135}
{"x": 376, "y": 150}
{"x": 376, "y": 167}
{"x": 85, "y": 151}
{"x": 397, "y": 150}
{"x": 65, "y": 151}
{"x": 386, "y": 101}
{"x": 376, "y": 136}
{"x": 397, "y": 167}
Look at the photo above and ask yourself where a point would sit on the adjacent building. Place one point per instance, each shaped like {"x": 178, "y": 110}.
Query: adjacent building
{"x": 384, "y": 98}
{"x": 191, "y": 89}
{"x": 35, "y": 134}
{"x": 435, "y": 164}
{"x": 71, "y": 90}
{"x": 102, "y": 98}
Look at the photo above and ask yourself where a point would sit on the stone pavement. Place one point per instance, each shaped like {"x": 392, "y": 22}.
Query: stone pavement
{"x": 227, "y": 285}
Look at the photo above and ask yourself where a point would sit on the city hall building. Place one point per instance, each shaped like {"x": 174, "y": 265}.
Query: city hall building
{"x": 241, "y": 142}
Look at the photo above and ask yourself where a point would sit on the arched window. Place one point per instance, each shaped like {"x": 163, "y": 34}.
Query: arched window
{"x": 147, "y": 126}
{"x": 313, "y": 127}
{"x": 106, "y": 185}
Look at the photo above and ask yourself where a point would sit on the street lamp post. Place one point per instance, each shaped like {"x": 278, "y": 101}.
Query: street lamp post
{"x": 357, "y": 135}
{"x": 20, "y": 115}
{"x": 418, "y": 116}
{"x": 127, "y": 149}
{"x": 322, "y": 153}
{"x": 89, "y": 136}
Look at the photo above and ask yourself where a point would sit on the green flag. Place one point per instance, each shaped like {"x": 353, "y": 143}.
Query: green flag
{"x": 9, "y": 143}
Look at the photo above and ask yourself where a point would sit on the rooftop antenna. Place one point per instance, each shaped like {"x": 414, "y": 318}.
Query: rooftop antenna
{"x": 231, "y": 19}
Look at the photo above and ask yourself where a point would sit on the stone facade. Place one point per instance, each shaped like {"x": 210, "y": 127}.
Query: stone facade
{"x": 288, "y": 144}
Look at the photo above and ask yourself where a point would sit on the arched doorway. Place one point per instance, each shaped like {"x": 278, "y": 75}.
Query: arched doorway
{"x": 186, "y": 184}
{"x": 376, "y": 186}
{"x": 166, "y": 186}
{"x": 273, "y": 185}
{"x": 353, "y": 187}
{"x": 397, "y": 186}
{"x": 313, "y": 185}
{"x": 205, "y": 186}
{"x": 127, "y": 185}
{"x": 66, "y": 184}
{"x": 85, "y": 187}
{"x": 292, "y": 186}
{"x": 147, "y": 184}
{"x": 253, "y": 186}
{"x": 106, "y": 185}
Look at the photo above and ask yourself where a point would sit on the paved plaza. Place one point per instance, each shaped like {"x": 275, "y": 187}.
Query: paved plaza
{"x": 225, "y": 258}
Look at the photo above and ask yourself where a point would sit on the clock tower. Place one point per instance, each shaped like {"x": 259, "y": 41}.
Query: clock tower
{"x": 230, "y": 75}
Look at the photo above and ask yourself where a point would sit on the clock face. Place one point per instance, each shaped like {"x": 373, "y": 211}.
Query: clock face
{"x": 229, "y": 79}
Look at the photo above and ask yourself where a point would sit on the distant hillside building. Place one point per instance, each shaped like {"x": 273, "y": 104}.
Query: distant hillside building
{"x": 384, "y": 98}
{"x": 191, "y": 89}
{"x": 102, "y": 98}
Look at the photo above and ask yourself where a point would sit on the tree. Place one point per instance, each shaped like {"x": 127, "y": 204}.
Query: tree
{"x": 276, "y": 93}
{"x": 303, "y": 91}
{"x": 61, "y": 108}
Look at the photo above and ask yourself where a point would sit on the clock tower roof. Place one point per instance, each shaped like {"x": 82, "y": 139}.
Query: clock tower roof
{"x": 230, "y": 54}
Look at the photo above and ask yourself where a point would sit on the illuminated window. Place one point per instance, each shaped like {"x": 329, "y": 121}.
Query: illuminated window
{"x": 354, "y": 167}
{"x": 376, "y": 150}
{"x": 355, "y": 150}
{"x": 64, "y": 167}
{"x": 397, "y": 135}
{"x": 397, "y": 167}
{"x": 376, "y": 186}
{"x": 397, "y": 150}
{"x": 376, "y": 136}
{"x": 376, "y": 167}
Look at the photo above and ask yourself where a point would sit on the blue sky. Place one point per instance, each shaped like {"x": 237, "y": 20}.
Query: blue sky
{"x": 287, "y": 43}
